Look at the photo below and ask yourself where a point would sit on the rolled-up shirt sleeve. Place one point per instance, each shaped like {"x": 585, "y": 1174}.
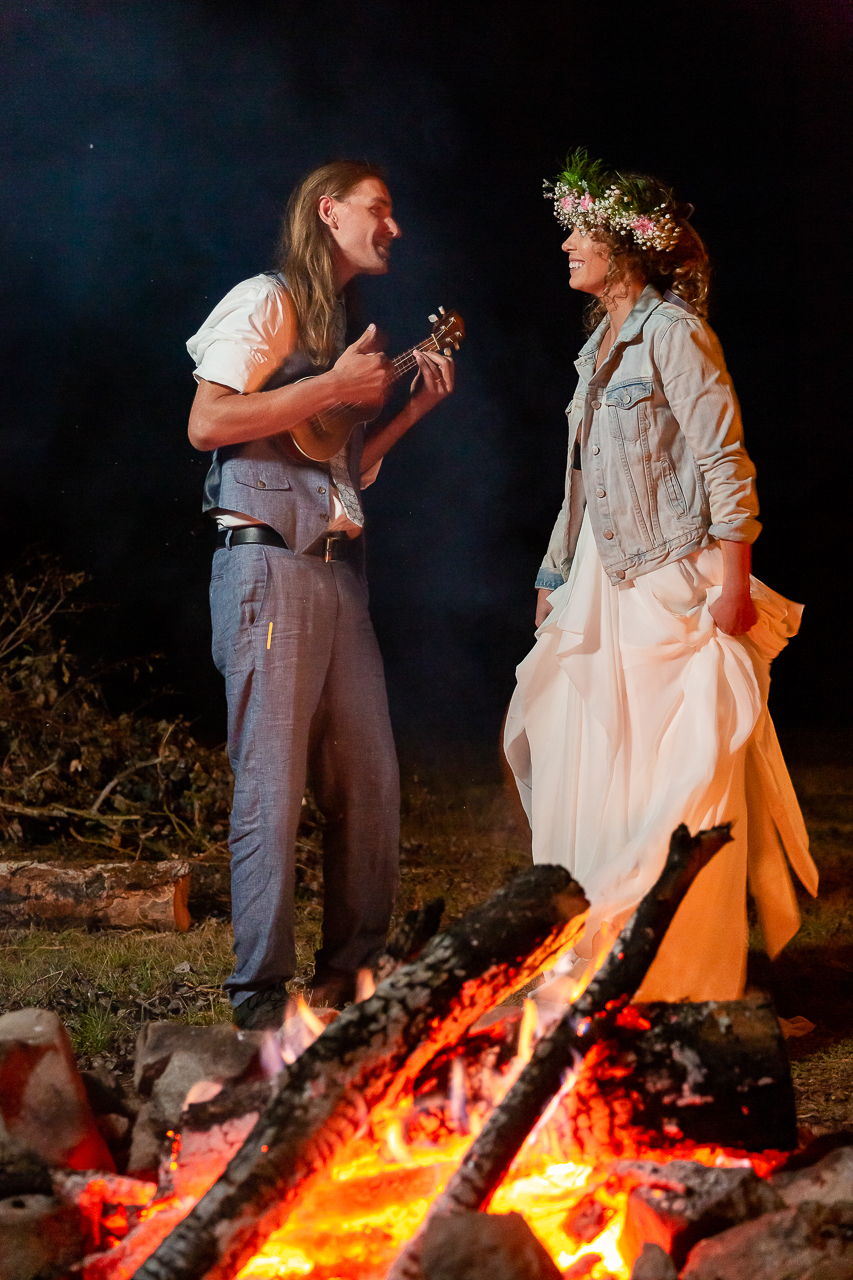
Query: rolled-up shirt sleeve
{"x": 699, "y": 390}
{"x": 247, "y": 336}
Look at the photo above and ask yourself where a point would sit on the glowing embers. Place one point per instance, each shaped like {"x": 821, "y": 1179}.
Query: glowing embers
{"x": 354, "y": 1223}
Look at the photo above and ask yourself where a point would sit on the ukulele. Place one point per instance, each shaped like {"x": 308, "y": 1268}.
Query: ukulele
{"x": 323, "y": 435}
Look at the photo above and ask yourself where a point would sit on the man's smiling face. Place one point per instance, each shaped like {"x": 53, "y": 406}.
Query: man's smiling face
{"x": 362, "y": 228}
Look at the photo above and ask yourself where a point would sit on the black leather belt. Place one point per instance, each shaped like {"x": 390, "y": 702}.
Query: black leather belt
{"x": 333, "y": 546}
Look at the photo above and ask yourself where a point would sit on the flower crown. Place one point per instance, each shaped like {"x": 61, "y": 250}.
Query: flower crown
{"x": 587, "y": 195}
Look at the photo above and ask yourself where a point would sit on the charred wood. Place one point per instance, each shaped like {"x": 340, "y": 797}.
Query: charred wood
{"x": 409, "y": 938}
{"x": 583, "y": 1023}
{"x": 368, "y": 1056}
{"x": 714, "y": 1072}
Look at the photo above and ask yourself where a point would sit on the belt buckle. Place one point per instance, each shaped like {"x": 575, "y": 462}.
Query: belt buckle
{"x": 329, "y": 544}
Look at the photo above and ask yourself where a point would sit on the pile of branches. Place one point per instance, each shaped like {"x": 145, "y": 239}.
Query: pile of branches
{"x": 75, "y": 774}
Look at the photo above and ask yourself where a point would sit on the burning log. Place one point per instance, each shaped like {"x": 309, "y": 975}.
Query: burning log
{"x": 713, "y": 1073}
{"x": 583, "y": 1023}
{"x": 370, "y": 1055}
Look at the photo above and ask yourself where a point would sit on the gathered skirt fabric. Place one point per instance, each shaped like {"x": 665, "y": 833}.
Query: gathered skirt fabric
{"x": 634, "y": 713}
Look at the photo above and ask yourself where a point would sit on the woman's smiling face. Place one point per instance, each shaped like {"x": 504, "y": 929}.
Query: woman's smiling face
{"x": 588, "y": 262}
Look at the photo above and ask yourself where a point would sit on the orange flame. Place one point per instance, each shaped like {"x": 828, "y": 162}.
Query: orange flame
{"x": 374, "y": 1198}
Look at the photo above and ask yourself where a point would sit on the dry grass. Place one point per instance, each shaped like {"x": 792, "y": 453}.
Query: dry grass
{"x": 105, "y": 985}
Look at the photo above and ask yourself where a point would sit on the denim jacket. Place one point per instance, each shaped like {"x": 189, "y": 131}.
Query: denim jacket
{"x": 664, "y": 468}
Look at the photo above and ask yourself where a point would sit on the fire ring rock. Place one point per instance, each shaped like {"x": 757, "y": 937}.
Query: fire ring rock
{"x": 43, "y": 1103}
{"x": 484, "y": 1246}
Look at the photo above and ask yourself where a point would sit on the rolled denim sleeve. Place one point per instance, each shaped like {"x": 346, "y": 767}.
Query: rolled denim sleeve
{"x": 701, "y": 396}
{"x": 550, "y": 575}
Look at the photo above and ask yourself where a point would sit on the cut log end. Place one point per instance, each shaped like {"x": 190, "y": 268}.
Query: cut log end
{"x": 180, "y": 904}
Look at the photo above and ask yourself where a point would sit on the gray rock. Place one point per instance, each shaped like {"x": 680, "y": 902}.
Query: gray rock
{"x": 212, "y": 1132}
{"x": 677, "y": 1204}
{"x": 654, "y": 1263}
{"x": 43, "y": 1104}
{"x": 810, "y": 1241}
{"x": 170, "y": 1059}
{"x": 829, "y": 1180}
{"x": 484, "y": 1246}
{"x": 39, "y": 1236}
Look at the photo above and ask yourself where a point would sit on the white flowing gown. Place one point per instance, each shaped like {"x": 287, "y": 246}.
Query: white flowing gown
{"x": 633, "y": 713}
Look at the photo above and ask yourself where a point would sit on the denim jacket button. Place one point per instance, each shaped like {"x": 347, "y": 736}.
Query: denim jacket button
{"x": 600, "y": 493}
{"x": 262, "y": 484}
{"x": 596, "y": 449}
{"x": 596, "y": 404}
{"x": 608, "y": 533}
{"x": 618, "y": 575}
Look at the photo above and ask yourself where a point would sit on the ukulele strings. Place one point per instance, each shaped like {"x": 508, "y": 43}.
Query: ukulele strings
{"x": 400, "y": 365}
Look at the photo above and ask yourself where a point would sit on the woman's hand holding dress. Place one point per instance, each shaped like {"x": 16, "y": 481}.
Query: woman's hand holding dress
{"x": 734, "y": 611}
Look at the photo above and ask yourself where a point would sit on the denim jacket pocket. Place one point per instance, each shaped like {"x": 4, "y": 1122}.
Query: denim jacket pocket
{"x": 674, "y": 491}
{"x": 628, "y": 405}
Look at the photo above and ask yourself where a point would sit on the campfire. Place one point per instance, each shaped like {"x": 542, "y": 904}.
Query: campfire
{"x": 429, "y": 1121}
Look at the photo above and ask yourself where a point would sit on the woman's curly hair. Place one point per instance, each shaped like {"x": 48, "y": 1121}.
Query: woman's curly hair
{"x": 684, "y": 268}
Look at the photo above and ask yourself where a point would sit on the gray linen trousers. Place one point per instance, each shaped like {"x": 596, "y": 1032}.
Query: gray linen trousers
{"x": 306, "y": 691}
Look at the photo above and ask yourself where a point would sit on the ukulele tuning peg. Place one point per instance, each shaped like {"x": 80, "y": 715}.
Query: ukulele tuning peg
{"x": 456, "y": 345}
{"x": 447, "y": 351}
{"x": 441, "y": 311}
{"x": 432, "y": 319}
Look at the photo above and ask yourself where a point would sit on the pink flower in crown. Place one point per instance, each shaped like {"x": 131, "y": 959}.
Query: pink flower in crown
{"x": 643, "y": 224}
{"x": 568, "y": 202}
{"x": 586, "y": 201}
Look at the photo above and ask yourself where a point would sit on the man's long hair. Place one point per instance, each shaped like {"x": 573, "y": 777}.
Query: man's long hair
{"x": 304, "y": 252}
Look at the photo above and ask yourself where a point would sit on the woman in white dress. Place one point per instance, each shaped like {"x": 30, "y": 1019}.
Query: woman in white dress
{"x": 643, "y": 703}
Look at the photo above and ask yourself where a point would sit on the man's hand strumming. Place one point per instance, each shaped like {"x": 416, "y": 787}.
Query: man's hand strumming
{"x": 361, "y": 374}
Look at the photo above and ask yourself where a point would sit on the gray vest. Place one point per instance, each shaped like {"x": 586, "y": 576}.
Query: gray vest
{"x": 262, "y": 479}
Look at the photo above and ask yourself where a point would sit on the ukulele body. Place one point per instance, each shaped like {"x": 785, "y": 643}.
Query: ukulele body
{"x": 321, "y": 436}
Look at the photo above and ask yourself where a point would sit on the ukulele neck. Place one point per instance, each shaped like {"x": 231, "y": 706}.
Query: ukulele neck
{"x": 405, "y": 362}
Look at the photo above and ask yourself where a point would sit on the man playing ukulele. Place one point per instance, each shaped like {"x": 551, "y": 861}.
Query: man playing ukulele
{"x": 291, "y": 631}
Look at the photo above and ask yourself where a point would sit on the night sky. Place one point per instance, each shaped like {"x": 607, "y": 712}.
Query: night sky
{"x": 149, "y": 151}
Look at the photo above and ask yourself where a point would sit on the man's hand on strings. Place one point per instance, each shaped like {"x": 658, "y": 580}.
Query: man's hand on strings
{"x": 433, "y": 381}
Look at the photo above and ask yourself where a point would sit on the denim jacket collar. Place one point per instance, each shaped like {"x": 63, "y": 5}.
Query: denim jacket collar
{"x": 648, "y": 301}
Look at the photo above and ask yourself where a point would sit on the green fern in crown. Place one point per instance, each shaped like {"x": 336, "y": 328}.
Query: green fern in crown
{"x": 587, "y": 195}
